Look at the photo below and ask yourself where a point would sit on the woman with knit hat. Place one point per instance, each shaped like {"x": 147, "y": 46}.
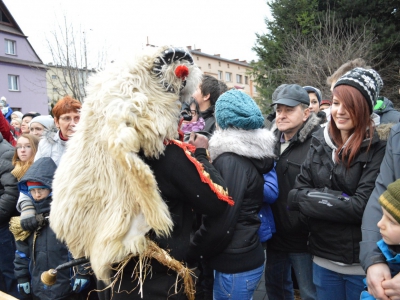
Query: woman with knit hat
{"x": 242, "y": 151}
{"x": 40, "y": 124}
{"x": 335, "y": 183}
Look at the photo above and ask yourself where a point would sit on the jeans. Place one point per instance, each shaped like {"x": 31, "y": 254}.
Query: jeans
{"x": 332, "y": 285}
{"x": 238, "y": 286}
{"x": 8, "y": 282}
{"x": 278, "y": 280}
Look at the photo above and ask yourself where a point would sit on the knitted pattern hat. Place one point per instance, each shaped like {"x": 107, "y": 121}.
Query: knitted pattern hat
{"x": 237, "y": 109}
{"x": 390, "y": 200}
{"x": 367, "y": 81}
{"x": 317, "y": 92}
{"x": 36, "y": 185}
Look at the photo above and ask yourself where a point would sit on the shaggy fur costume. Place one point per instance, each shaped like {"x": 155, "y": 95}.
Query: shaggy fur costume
{"x": 105, "y": 197}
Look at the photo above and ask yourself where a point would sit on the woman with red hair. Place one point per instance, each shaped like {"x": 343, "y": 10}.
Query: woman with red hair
{"x": 335, "y": 183}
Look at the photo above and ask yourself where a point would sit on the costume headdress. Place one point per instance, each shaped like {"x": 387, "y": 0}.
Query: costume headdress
{"x": 105, "y": 197}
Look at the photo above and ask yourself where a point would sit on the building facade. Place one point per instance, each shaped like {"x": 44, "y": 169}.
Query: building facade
{"x": 233, "y": 72}
{"x": 22, "y": 73}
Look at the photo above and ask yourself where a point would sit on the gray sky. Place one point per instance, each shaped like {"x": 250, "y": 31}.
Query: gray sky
{"x": 225, "y": 27}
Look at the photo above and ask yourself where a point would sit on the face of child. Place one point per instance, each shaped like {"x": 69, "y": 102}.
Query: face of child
{"x": 389, "y": 229}
{"x": 39, "y": 194}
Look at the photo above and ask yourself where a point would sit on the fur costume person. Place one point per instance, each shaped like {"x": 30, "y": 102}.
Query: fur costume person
{"x": 105, "y": 197}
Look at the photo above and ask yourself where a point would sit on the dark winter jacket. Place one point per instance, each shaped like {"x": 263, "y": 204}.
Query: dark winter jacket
{"x": 291, "y": 235}
{"x": 389, "y": 172}
{"x": 34, "y": 258}
{"x": 271, "y": 192}
{"x": 333, "y": 214}
{"x": 387, "y": 113}
{"x": 209, "y": 118}
{"x": 8, "y": 184}
{"x": 242, "y": 157}
{"x": 183, "y": 190}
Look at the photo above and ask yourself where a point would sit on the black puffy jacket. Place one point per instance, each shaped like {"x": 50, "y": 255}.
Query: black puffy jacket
{"x": 333, "y": 217}
{"x": 8, "y": 184}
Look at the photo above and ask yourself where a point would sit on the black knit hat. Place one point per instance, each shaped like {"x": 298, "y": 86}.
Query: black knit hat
{"x": 367, "y": 81}
{"x": 31, "y": 114}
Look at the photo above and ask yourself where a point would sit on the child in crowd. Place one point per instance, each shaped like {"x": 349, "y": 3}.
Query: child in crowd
{"x": 40, "y": 250}
{"x": 389, "y": 227}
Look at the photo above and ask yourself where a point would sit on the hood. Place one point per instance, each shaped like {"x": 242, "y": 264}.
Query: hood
{"x": 41, "y": 170}
{"x": 386, "y": 106}
{"x": 256, "y": 145}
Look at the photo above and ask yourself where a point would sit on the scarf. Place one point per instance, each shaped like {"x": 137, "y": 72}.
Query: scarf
{"x": 193, "y": 126}
{"x": 20, "y": 169}
{"x": 330, "y": 143}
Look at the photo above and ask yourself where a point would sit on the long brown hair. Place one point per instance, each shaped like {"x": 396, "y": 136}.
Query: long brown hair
{"x": 357, "y": 107}
{"x": 34, "y": 141}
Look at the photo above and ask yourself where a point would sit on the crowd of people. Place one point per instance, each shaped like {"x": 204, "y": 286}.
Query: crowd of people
{"x": 308, "y": 196}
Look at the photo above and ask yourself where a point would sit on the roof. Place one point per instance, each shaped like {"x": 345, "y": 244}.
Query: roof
{"x": 217, "y": 57}
{"x": 22, "y": 62}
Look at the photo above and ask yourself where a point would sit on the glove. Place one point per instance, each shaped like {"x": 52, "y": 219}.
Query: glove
{"x": 80, "y": 283}
{"x": 28, "y": 216}
{"x": 24, "y": 289}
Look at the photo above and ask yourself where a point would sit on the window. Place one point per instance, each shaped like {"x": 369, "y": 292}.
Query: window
{"x": 219, "y": 64}
{"x": 53, "y": 76}
{"x": 220, "y": 75}
{"x": 228, "y": 66}
{"x": 246, "y": 79}
{"x": 13, "y": 82}
{"x": 209, "y": 66}
{"x": 65, "y": 85}
{"x": 197, "y": 57}
{"x": 238, "y": 78}
{"x": 228, "y": 76}
{"x": 55, "y": 90}
{"x": 10, "y": 47}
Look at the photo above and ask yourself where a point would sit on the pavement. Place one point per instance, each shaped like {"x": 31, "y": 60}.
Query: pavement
{"x": 261, "y": 292}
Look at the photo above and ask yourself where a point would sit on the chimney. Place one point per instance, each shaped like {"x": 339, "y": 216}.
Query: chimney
{"x": 189, "y": 47}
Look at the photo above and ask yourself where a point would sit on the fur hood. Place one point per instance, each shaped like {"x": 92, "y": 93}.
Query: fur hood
{"x": 258, "y": 143}
{"x": 105, "y": 197}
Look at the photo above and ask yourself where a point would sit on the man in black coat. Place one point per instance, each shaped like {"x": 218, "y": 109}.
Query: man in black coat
{"x": 8, "y": 201}
{"x": 288, "y": 246}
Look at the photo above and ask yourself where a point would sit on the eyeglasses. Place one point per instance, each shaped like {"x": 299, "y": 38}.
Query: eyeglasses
{"x": 27, "y": 147}
{"x": 193, "y": 112}
{"x": 68, "y": 119}
{"x": 39, "y": 191}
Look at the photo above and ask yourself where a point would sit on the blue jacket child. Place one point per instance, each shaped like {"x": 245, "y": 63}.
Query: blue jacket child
{"x": 41, "y": 250}
{"x": 271, "y": 192}
{"x": 389, "y": 226}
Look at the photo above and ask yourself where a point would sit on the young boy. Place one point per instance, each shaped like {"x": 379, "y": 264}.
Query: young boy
{"x": 41, "y": 250}
{"x": 389, "y": 227}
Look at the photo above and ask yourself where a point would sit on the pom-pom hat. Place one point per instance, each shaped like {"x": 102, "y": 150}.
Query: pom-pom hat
{"x": 237, "y": 109}
{"x": 367, "y": 81}
{"x": 390, "y": 200}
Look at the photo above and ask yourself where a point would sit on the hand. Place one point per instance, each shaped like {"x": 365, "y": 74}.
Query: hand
{"x": 376, "y": 275}
{"x": 24, "y": 289}
{"x": 29, "y": 223}
{"x": 198, "y": 140}
{"x": 80, "y": 284}
{"x": 392, "y": 287}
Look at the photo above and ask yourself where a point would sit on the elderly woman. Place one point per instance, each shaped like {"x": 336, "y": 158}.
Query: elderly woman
{"x": 66, "y": 116}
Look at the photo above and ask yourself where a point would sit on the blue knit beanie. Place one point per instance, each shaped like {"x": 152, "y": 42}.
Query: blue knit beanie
{"x": 237, "y": 109}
